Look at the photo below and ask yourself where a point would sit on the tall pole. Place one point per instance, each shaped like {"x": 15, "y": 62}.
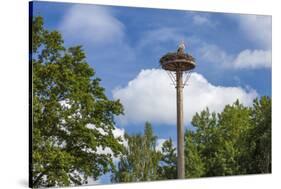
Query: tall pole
{"x": 178, "y": 63}
{"x": 180, "y": 129}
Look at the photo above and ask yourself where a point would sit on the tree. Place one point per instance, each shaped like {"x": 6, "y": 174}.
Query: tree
{"x": 234, "y": 123}
{"x": 235, "y": 141}
{"x": 201, "y": 145}
{"x": 168, "y": 163}
{"x": 194, "y": 166}
{"x": 258, "y": 139}
{"x": 140, "y": 160}
{"x": 69, "y": 110}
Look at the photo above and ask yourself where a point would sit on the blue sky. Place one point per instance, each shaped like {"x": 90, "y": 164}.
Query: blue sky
{"x": 124, "y": 45}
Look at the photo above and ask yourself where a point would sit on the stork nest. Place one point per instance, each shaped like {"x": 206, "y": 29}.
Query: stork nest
{"x": 170, "y": 56}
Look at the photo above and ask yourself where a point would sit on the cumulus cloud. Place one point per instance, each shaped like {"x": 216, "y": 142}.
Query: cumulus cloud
{"x": 253, "y": 59}
{"x": 246, "y": 59}
{"x": 92, "y": 23}
{"x": 152, "y": 97}
{"x": 257, "y": 28}
{"x": 103, "y": 37}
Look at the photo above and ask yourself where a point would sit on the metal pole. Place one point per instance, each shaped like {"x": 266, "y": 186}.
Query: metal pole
{"x": 180, "y": 129}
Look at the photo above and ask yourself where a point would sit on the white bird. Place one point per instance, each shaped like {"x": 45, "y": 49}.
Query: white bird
{"x": 181, "y": 48}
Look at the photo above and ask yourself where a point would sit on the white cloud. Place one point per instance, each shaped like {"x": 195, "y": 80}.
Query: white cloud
{"x": 203, "y": 20}
{"x": 151, "y": 97}
{"x": 159, "y": 144}
{"x": 105, "y": 151}
{"x": 117, "y": 132}
{"x": 214, "y": 54}
{"x": 99, "y": 30}
{"x": 99, "y": 129}
{"x": 257, "y": 28}
{"x": 253, "y": 59}
{"x": 94, "y": 24}
{"x": 120, "y": 132}
{"x": 246, "y": 59}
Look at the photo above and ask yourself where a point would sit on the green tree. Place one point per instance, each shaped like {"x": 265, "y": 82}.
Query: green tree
{"x": 69, "y": 108}
{"x": 235, "y": 141}
{"x": 140, "y": 160}
{"x": 234, "y": 123}
{"x": 258, "y": 139}
{"x": 214, "y": 148}
{"x": 194, "y": 166}
{"x": 201, "y": 145}
{"x": 168, "y": 163}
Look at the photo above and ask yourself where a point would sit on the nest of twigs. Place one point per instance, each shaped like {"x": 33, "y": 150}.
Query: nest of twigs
{"x": 170, "y": 56}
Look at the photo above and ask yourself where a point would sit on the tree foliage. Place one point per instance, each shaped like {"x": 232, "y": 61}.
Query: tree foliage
{"x": 258, "y": 138}
{"x": 168, "y": 163}
{"x": 194, "y": 166}
{"x": 67, "y": 100}
{"x": 235, "y": 141}
{"x": 140, "y": 160}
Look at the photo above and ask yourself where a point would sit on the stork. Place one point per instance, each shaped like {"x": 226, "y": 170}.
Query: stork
{"x": 181, "y": 48}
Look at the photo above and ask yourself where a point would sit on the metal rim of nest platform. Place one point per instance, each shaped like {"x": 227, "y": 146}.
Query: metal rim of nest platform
{"x": 178, "y": 65}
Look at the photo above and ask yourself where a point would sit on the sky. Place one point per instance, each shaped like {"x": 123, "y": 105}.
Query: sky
{"x": 124, "y": 44}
